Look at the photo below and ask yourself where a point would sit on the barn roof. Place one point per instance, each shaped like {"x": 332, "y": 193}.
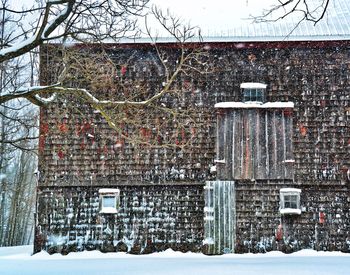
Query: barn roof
{"x": 335, "y": 25}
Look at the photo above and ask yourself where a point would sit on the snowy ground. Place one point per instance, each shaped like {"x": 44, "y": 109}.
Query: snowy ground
{"x": 18, "y": 260}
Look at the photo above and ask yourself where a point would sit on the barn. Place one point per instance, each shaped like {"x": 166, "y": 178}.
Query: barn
{"x": 257, "y": 160}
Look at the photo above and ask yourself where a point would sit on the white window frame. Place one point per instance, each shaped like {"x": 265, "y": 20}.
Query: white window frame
{"x": 253, "y": 92}
{"x": 109, "y": 192}
{"x": 290, "y": 210}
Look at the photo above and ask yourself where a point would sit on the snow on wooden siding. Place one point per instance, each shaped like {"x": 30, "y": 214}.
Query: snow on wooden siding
{"x": 150, "y": 218}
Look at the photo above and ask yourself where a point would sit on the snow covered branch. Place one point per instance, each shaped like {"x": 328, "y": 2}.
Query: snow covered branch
{"x": 82, "y": 20}
{"x": 44, "y": 31}
{"x": 93, "y": 77}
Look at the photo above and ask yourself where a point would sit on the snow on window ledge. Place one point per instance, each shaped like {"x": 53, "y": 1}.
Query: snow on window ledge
{"x": 108, "y": 190}
{"x": 290, "y": 211}
{"x": 258, "y": 105}
{"x": 290, "y": 190}
{"x": 108, "y": 210}
{"x": 253, "y": 85}
{"x": 290, "y": 201}
{"x": 109, "y": 200}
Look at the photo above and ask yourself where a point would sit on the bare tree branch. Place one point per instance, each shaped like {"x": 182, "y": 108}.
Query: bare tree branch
{"x": 77, "y": 19}
{"x": 313, "y": 11}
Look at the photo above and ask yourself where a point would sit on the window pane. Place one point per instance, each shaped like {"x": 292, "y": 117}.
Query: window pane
{"x": 293, "y": 198}
{"x": 108, "y": 201}
{"x": 259, "y": 95}
{"x": 290, "y": 201}
{"x": 253, "y": 95}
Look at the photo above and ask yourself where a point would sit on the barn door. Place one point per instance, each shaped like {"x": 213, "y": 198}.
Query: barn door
{"x": 219, "y": 217}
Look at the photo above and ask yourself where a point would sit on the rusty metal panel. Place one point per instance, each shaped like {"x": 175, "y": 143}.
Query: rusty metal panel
{"x": 219, "y": 217}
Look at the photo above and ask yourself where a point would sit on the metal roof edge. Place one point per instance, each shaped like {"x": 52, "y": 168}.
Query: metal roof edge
{"x": 235, "y": 39}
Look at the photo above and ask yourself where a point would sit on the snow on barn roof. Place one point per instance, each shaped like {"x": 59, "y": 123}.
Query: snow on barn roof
{"x": 335, "y": 25}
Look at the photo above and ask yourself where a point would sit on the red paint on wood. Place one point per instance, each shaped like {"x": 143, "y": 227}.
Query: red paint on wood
{"x": 322, "y": 217}
{"x": 288, "y": 112}
{"x": 183, "y": 136}
{"x": 82, "y": 145}
{"x": 186, "y": 85}
{"x": 44, "y": 128}
{"x": 42, "y": 139}
{"x": 86, "y": 127}
{"x": 159, "y": 140}
{"x": 119, "y": 143}
{"x": 279, "y": 233}
{"x": 63, "y": 127}
{"x": 193, "y": 132}
{"x": 302, "y": 130}
{"x": 123, "y": 70}
{"x": 60, "y": 154}
{"x": 145, "y": 133}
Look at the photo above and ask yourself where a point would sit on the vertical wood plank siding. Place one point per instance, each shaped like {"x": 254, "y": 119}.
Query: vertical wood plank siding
{"x": 254, "y": 144}
{"x": 219, "y": 217}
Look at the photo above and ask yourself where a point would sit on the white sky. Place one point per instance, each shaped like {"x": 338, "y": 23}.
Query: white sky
{"x": 215, "y": 17}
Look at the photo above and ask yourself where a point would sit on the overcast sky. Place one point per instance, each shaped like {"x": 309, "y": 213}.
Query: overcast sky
{"x": 215, "y": 16}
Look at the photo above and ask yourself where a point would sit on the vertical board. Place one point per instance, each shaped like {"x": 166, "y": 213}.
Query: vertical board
{"x": 289, "y": 158}
{"x": 280, "y": 145}
{"x": 271, "y": 137}
{"x": 261, "y": 149}
{"x": 228, "y": 145}
{"x": 237, "y": 143}
{"x": 219, "y": 217}
{"x": 221, "y": 141}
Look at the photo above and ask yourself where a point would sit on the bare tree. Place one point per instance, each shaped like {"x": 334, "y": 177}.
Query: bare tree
{"x": 17, "y": 138}
{"x": 89, "y": 21}
{"x": 89, "y": 70}
{"x": 18, "y": 219}
{"x": 308, "y": 10}
{"x": 82, "y": 20}
{"x": 94, "y": 77}
{"x": 21, "y": 32}
{"x": 84, "y": 77}
{"x": 60, "y": 21}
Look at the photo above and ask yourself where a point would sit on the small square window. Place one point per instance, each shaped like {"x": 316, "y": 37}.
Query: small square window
{"x": 253, "y": 92}
{"x": 109, "y": 200}
{"x": 290, "y": 201}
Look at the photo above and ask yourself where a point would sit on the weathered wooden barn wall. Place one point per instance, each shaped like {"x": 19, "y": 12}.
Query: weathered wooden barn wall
{"x": 150, "y": 218}
{"x": 258, "y": 218}
{"x": 76, "y": 149}
{"x": 79, "y": 151}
